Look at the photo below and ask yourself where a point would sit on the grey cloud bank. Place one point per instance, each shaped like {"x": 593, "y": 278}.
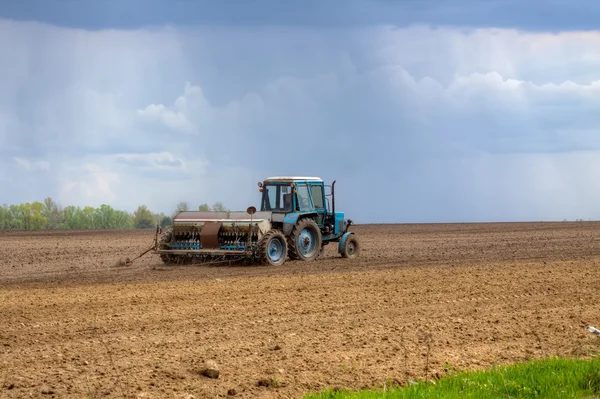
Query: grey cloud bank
{"x": 126, "y": 14}
{"x": 416, "y": 124}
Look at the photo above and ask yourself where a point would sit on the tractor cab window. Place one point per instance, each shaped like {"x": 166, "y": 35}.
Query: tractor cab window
{"x": 277, "y": 198}
{"x": 317, "y": 195}
{"x": 304, "y": 203}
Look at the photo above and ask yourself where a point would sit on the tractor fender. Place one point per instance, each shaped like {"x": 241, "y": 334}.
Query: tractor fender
{"x": 343, "y": 241}
{"x": 290, "y": 220}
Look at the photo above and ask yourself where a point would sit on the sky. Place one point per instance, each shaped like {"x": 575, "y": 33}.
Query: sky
{"x": 422, "y": 111}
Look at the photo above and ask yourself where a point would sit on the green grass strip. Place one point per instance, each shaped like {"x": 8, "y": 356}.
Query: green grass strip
{"x": 549, "y": 378}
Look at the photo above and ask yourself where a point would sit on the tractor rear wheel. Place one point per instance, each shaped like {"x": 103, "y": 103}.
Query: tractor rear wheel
{"x": 305, "y": 240}
{"x": 351, "y": 247}
{"x": 273, "y": 248}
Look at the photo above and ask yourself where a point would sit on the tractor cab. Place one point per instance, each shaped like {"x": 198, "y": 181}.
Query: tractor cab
{"x": 293, "y": 194}
{"x": 292, "y": 198}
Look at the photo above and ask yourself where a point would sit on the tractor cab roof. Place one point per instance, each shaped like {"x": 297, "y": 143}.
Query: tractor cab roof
{"x": 293, "y": 178}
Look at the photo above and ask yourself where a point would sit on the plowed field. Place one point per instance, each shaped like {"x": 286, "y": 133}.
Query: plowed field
{"x": 421, "y": 301}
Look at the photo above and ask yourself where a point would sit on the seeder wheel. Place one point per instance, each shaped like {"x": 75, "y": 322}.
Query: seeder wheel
{"x": 273, "y": 248}
{"x": 163, "y": 244}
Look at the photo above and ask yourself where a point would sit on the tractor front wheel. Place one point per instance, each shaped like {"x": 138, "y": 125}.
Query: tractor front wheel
{"x": 273, "y": 248}
{"x": 305, "y": 240}
{"x": 351, "y": 247}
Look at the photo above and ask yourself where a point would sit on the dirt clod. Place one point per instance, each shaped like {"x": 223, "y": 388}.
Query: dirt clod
{"x": 46, "y": 390}
{"x": 122, "y": 262}
{"x": 211, "y": 369}
{"x": 267, "y": 382}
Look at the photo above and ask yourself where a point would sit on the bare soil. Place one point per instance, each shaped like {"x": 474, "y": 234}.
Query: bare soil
{"x": 420, "y": 302}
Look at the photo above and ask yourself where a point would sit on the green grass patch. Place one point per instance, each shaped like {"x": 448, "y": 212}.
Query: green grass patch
{"x": 549, "y": 378}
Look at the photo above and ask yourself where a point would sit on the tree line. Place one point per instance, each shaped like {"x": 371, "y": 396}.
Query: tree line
{"x": 51, "y": 215}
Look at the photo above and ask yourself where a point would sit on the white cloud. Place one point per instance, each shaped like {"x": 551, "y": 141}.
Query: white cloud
{"x": 32, "y": 165}
{"x": 201, "y": 114}
{"x": 126, "y": 180}
{"x": 89, "y": 185}
{"x": 152, "y": 161}
{"x": 175, "y": 120}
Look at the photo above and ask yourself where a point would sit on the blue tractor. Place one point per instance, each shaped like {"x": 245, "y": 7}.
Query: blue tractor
{"x": 297, "y": 219}
{"x": 306, "y": 216}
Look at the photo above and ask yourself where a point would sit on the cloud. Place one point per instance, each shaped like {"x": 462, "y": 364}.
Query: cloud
{"x": 175, "y": 120}
{"x": 558, "y": 14}
{"x": 152, "y": 161}
{"x": 415, "y": 124}
{"x": 31, "y": 166}
{"x": 91, "y": 186}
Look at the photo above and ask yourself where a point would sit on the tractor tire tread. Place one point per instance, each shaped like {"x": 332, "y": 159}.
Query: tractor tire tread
{"x": 344, "y": 252}
{"x": 262, "y": 247}
{"x": 293, "y": 251}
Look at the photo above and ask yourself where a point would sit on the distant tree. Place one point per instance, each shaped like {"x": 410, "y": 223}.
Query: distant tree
{"x": 53, "y": 213}
{"x": 71, "y": 217}
{"x": 204, "y": 208}
{"x": 23, "y": 214}
{"x": 162, "y": 219}
{"x": 219, "y": 207}
{"x": 5, "y": 217}
{"x": 182, "y": 207}
{"x": 37, "y": 218}
{"x": 165, "y": 221}
{"x": 28, "y": 216}
{"x": 122, "y": 220}
{"x": 104, "y": 217}
{"x": 17, "y": 219}
{"x": 49, "y": 214}
{"x": 86, "y": 218}
{"x": 143, "y": 218}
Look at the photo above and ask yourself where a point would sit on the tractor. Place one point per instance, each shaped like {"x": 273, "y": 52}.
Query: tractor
{"x": 297, "y": 219}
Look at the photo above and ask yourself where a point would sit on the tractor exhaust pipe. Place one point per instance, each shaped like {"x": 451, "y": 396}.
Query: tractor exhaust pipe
{"x": 333, "y": 198}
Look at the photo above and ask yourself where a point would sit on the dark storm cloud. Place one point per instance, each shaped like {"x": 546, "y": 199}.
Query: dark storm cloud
{"x": 94, "y": 14}
{"x": 416, "y": 124}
